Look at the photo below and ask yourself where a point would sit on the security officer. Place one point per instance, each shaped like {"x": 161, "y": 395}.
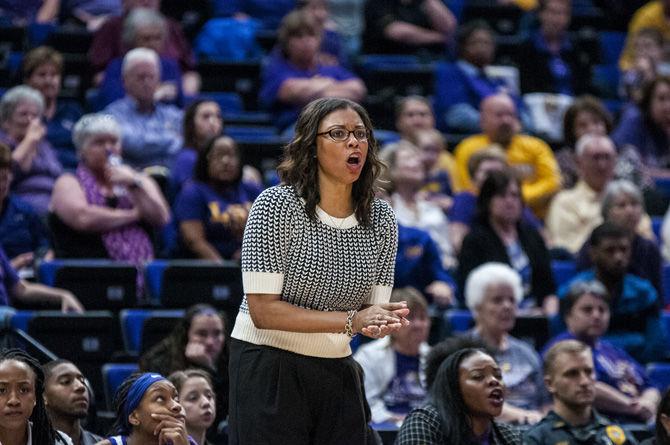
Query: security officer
{"x": 570, "y": 378}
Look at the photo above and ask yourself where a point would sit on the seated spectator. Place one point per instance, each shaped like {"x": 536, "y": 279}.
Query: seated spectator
{"x": 413, "y": 113}
{"x": 42, "y": 70}
{"x": 531, "y": 157}
{"x": 151, "y": 130}
{"x": 66, "y": 398}
{"x": 586, "y": 115}
{"x": 196, "y": 395}
{"x": 107, "y": 45}
{"x": 466, "y": 396}
{"x": 662, "y": 429}
{"x": 646, "y": 127}
{"x": 393, "y": 366}
{"x": 91, "y": 13}
{"x": 492, "y": 293}
{"x": 635, "y": 324}
{"x": 412, "y": 209}
{"x": 198, "y": 341}
{"x": 462, "y": 214}
{"x": 332, "y": 52}
{"x": 295, "y": 76}
{"x": 148, "y": 412}
{"x": 419, "y": 265}
{"x": 550, "y": 60}
{"x": 461, "y": 87}
{"x": 142, "y": 28}
{"x": 622, "y": 388}
{"x": 23, "y": 384}
{"x": 500, "y": 235}
{"x": 23, "y": 235}
{"x": 407, "y": 27}
{"x": 211, "y": 211}
{"x": 623, "y": 205}
{"x": 575, "y": 212}
{"x": 439, "y": 165}
{"x": 35, "y": 165}
{"x": 202, "y": 123}
{"x": 105, "y": 210}
{"x": 652, "y": 15}
{"x": 648, "y": 60}
{"x": 570, "y": 378}
{"x": 23, "y": 13}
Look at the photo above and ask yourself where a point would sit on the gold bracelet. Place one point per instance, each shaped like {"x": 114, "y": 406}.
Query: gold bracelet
{"x": 349, "y": 325}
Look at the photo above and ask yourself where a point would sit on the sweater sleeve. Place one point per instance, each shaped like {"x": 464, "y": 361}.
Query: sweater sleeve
{"x": 266, "y": 241}
{"x": 387, "y": 237}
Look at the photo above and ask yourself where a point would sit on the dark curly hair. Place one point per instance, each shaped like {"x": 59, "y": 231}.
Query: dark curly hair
{"x": 299, "y": 165}
{"x": 43, "y": 431}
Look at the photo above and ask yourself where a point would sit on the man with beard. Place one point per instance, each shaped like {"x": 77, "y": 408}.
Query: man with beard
{"x": 530, "y": 157}
{"x": 569, "y": 376}
{"x": 66, "y": 398}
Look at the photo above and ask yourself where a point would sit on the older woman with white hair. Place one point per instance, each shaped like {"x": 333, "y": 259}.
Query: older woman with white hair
{"x": 623, "y": 204}
{"x": 36, "y": 166}
{"x": 106, "y": 209}
{"x": 492, "y": 293}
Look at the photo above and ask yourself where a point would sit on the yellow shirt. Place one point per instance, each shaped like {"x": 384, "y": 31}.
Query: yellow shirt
{"x": 649, "y": 16}
{"x": 530, "y": 156}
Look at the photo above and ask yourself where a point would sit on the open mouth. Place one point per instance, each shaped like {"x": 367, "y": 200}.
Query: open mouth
{"x": 497, "y": 396}
{"x": 354, "y": 159}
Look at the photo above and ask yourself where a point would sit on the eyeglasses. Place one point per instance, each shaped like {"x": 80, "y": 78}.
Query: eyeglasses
{"x": 342, "y": 134}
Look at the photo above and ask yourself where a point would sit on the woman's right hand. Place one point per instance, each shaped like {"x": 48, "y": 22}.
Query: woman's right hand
{"x": 36, "y": 131}
{"x": 379, "y": 320}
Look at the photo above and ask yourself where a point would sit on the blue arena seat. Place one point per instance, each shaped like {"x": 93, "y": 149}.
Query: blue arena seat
{"x": 563, "y": 271}
{"x": 659, "y": 374}
{"x": 113, "y": 374}
{"x": 181, "y": 283}
{"x": 248, "y": 132}
{"x": 656, "y": 223}
{"x": 611, "y": 45}
{"x": 99, "y": 284}
{"x": 386, "y": 136}
{"x": 133, "y": 322}
{"x": 458, "y": 320}
{"x": 21, "y": 319}
{"x": 606, "y": 80}
{"x": 665, "y": 281}
{"x": 229, "y": 102}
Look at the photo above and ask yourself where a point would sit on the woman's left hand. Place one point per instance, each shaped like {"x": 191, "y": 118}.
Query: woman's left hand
{"x": 170, "y": 430}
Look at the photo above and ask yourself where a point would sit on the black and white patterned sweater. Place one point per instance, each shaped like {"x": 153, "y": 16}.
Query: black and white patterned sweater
{"x": 333, "y": 264}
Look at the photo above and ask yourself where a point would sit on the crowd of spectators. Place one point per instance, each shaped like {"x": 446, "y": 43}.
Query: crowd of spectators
{"x": 496, "y": 172}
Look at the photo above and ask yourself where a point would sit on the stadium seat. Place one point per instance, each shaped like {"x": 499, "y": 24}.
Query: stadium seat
{"x": 70, "y": 40}
{"x": 181, "y": 283}
{"x": 229, "y": 101}
{"x": 21, "y": 319}
{"x": 665, "y": 280}
{"x": 386, "y": 136}
{"x": 251, "y": 133}
{"x": 457, "y": 320}
{"x": 113, "y": 374}
{"x": 534, "y": 329}
{"x": 87, "y": 339}
{"x": 263, "y": 154}
{"x": 611, "y": 45}
{"x": 606, "y": 80}
{"x": 157, "y": 327}
{"x": 396, "y": 75}
{"x": 247, "y": 118}
{"x": 99, "y": 284}
{"x": 241, "y": 77}
{"x": 563, "y": 271}
{"x": 656, "y": 223}
{"x": 15, "y": 37}
{"x": 132, "y": 325}
{"x": 659, "y": 374}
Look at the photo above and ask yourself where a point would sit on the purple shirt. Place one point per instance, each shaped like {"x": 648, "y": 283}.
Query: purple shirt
{"x": 276, "y": 72}
{"x": 219, "y": 212}
{"x": 35, "y": 185}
